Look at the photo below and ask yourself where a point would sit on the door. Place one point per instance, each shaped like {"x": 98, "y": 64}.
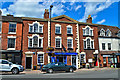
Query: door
{"x": 28, "y": 62}
{"x": 74, "y": 60}
{"x": 5, "y": 65}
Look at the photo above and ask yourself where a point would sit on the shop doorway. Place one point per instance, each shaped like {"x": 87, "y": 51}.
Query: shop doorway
{"x": 74, "y": 60}
{"x": 62, "y": 59}
{"x": 95, "y": 60}
{"x": 28, "y": 62}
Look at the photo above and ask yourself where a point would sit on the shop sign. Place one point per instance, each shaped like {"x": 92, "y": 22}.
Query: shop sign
{"x": 90, "y": 60}
{"x": 50, "y": 49}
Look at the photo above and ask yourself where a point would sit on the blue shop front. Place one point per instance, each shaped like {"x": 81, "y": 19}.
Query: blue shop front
{"x": 69, "y": 58}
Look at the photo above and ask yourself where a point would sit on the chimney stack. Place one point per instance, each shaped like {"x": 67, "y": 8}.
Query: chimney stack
{"x": 89, "y": 20}
{"x": 46, "y": 14}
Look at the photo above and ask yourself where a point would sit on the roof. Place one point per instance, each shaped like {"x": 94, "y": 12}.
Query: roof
{"x": 114, "y": 30}
{"x": 31, "y": 18}
{"x": 11, "y": 18}
{"x": 64, "y": 16}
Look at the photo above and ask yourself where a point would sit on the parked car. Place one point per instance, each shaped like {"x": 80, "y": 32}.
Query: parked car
{"x": 49, "y": 68}
{"x": 6, "y": 66}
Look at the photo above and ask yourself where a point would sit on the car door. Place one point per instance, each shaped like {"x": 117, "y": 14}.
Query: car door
{"x": 0, "y": 65}
{"x": 56, "y": 67}
{"x": 5, "y": 65}
{"x": 61, "y": 66}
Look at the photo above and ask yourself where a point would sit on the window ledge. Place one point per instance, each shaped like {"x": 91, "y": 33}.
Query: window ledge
{"x": 35, "y": 47}
{"x": 70, "y": 48}
{"x": 11, "y": 32}
{"x": 70, "y": 34}
{"x": 58, "y": 33}
{"x": 88, "y": 35}
{"x": 11, "y": 49}
{"x": 35, "y": 32}
{"x": 58, "y": 48}
{"x": 89, "y": 49}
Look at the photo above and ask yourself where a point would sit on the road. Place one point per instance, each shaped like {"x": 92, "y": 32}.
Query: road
{"x": 109, "y": 73}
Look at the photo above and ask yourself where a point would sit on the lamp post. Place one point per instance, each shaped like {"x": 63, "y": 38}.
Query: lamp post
{"x": 50, "y": 23}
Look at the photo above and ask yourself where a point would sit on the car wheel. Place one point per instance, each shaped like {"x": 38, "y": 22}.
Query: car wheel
{"x": 50, "y": 70}
{"x": 15, "y": 71}
{"x": 71, "y": 69}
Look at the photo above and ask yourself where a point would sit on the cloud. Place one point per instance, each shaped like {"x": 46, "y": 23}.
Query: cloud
{"x": 27, "y": 8}
{"x": 79, "y": 6}
{"x": 102, "y": 21}
{"x": 92, "y": 8}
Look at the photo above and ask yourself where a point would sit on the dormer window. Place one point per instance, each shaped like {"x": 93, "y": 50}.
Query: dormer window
{"x": 102, "y": 32}
{"x": 108, "y": 33}
{"x": 118, "y": 33}
{"x": 87, "y": 31}
{"x": 36, "y": 27}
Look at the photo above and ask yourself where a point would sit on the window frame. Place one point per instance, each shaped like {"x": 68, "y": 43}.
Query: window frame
{"x": 0, "y": 27}
{"x": 60, "y": 42}
{"x": 57, "y": 25}
{"x": 85, "y": 40}
{"x": 110, "y": 46}
{"x": 15, "y": 28}
{"x": 14, "y": 43}
{"x": 71, "y": 43}
{"x": 102, "y": 46}
{"x": 37, "y": 58}
{"x": 108, "y": 31}
{"x": 102, "y": 32}
{"x": 69, "y": 26}
{"x": 89, "y": 31}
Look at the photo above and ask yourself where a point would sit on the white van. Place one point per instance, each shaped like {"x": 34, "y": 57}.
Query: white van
{"x": 6, "y": 66}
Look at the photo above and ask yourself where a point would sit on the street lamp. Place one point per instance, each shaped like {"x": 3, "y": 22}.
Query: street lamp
{"x": 50, "y": 23}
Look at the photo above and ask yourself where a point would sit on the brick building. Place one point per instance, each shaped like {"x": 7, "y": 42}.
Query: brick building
{"x": 74, "y": 43}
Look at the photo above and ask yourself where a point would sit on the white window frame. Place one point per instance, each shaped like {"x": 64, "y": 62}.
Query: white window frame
{"x": 60, "y": 42}
{"x": 69, "y": 26}
{"x": 38, "y": 27}
{"x": 108, "y": 32}
{"x": 102, "y": 46}
{"x": 37, "y": 58}
{"x": 9, "y": 27}
{"x": 57, "y": 25}
{"x": 90, "y": 43}
{"x": 31, "y": 37}
{"x": 15, "y": 42}
{"x": 72, "y": 42}
{"x": 118, "y": 33}
{"x": 102, "y": 33}
{"x": 90, "y": 29}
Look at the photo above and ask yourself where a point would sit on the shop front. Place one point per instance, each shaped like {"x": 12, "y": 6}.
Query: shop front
{"x": 13, "y": 56}
{"x": 64, "y": 57}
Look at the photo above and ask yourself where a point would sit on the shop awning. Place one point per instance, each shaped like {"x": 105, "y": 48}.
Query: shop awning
{"x": 65, "y": 53}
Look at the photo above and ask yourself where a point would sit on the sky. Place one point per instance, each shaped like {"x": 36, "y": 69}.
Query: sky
{"x": 103, "y": 11}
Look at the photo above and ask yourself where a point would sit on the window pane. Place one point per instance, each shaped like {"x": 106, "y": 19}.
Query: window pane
{"x": 35, "y": 41}
{"x": 69, "y": 30}
{"x": 109, "y": 46}
{"x": 88, "y": 43}
{"x": 92, "y": 44}
{"x": 83, "y": 31}
{"x": 30, "y": 42}
{"x": 103, "y": 46}
{"x": 91, "y": 32}
{"x": 102, "y": 33}
{"x": 5, "y": 62}
{"x": 84, "y": 44}
{"x": 36, "y": 27}
{"x": 57, "y": 29}
{"x": 12, "y": 27}
{"x": 11, "y": 43}
{"x": 40, "y": 58}
{"x": 87, "y": 30}
{"x": 58, "y": 42}
{"x": 69, "y": 43}
{"x": 40, "y": 42}
{"x": 31, "y": 29}
{"x": 40, "y": 29}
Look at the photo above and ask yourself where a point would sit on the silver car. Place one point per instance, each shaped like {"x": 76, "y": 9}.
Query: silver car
{"x": 6, "y": 66}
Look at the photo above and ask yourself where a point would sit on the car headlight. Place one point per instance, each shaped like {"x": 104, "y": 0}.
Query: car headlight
{"x": 20, "y": 66}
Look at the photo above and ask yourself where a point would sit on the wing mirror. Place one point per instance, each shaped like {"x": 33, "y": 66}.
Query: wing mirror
{"x": 10, "y": 63}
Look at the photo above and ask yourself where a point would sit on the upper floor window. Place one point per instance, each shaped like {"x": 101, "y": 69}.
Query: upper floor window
{"x": 11, "y": 42}
{"x": 102, "y": 32}
{"x": 69, "y": 29}
{"x": 35, "y": 41}
{"x": 58, "y": 29}
{"x": 119, "y": 46}
{"x": 12, "y": 27}
{"x": 58, "y": 42}
{"x": 118, "y": 33}
{"x": 36, "y": 27}
{"x": 88, "y": 44}
{"x": 109, "y": 46}
{"x": 0, "y": 27}
{"x": 87, "y": 31}
{"x": 103, "y": 46}
{"x": 70, "y": 43}
{"x": 108, "y": 33}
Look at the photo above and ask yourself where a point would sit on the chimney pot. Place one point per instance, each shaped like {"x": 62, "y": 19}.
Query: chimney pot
{"x": 46, "y": 14}
{"x": 89, "y": 20}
